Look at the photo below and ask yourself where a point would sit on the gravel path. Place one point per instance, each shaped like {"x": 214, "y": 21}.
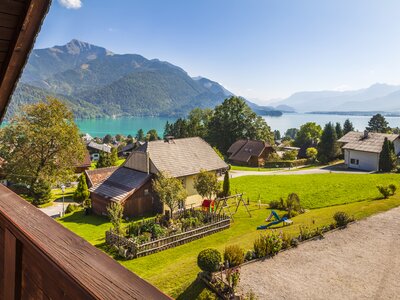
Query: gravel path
{"x": 360, "y": 262}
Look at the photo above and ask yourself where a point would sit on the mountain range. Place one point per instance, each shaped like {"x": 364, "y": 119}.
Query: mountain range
{"x": 377, "y": 97}
{"x": 95, "y": 82}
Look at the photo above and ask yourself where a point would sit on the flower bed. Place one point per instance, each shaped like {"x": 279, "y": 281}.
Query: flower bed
{"x": 147, "y": 237}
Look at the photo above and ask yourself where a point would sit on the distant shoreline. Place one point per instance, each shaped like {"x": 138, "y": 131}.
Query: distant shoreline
{"x": 354, "y": 113}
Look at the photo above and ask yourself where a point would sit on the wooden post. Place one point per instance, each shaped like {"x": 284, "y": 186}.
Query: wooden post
{"x": 10, "y": 265}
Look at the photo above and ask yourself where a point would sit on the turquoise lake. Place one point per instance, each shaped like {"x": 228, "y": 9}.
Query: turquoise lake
{"x": 130, "y": 125}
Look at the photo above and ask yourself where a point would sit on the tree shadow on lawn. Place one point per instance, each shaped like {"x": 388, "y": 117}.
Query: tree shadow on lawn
{"x": 193, "y": 290}
{"x": 79, "y": 217}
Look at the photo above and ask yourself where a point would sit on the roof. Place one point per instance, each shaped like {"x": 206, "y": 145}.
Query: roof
{"x": 355, "y": 140}
{"x": 121, "y": 184}
{"x": 99, "y": 175}
{"x": 182, "y": 157}
{"x": 100, "y": 147}
{"x": 20, "y": 22}
{"x": 243, "y": 150}
{"x": 128, "y": 147}
{"x": 86, "y": 162}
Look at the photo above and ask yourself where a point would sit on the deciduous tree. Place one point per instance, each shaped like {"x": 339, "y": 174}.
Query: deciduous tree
{"x": 206, "y": 184}
{"x": 309, "y": 133}
{"x": 170, "y": 191}
{"x": 41, "y": 145}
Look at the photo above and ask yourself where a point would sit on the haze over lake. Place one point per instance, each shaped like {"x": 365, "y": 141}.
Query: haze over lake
{"x": 130, "y": 125}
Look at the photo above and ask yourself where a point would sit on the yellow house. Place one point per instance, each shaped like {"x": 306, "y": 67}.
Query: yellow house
{"x": 131, "y": 183}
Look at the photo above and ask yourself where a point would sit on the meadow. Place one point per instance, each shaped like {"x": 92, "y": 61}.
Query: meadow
{"x": 174, "y": 271}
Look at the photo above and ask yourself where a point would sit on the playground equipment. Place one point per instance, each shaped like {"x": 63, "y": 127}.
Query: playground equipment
{"x": 208, "y": 205}
{"x": 221, "y": 205}
{"x": 278, "y": 220}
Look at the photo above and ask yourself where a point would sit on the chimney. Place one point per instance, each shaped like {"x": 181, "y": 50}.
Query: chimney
{"x": 148, "y": 162}
{"x": 366, "y": 132}
{"x": 168, "y": 139}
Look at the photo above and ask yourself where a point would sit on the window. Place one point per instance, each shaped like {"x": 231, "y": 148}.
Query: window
{"x": 146, "y": 192}
{"x": 183, "y": 180}
{"x": 354, "y": 161}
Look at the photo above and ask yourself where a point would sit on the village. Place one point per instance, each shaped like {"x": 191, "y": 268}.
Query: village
{"x": 220, "y": 205}
{"x": 183, "y": 201}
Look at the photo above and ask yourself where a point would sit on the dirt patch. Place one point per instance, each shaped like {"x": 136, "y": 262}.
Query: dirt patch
{"x": 360, "y": 262}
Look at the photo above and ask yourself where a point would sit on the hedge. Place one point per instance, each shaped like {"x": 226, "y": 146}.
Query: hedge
{"x": 286, "y": 163}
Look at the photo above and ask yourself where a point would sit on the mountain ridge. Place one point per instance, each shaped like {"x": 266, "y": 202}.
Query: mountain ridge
{"x": 96, "y": 82}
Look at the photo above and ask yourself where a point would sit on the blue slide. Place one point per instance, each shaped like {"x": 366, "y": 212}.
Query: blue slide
{"x": 277, "y": 221}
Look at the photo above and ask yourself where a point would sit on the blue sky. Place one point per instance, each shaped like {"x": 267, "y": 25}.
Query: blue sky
{"x": 259, "y": 49}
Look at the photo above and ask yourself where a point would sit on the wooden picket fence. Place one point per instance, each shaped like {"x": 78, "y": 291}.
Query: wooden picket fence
{"x": 218, "y": 223}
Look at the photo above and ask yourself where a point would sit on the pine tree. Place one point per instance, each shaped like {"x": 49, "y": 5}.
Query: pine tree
{"x": 328, "y": 148}
{"x": 104, "y": 160}
{"x": 339, "y": 130}
{"x": 114, "y": 156}
{"x": 387, "y": 157}
{"x": 81, "y": 193}
{"x": 226, "y": 187}
{"x": 378, "y": 123}
{"x": 140, "y": 135}
{"x": 347, "y": 127}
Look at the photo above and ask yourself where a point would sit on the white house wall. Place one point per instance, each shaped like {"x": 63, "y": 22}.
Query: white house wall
{"x": 397, "y": 146}
{"x": 367, "y": 161}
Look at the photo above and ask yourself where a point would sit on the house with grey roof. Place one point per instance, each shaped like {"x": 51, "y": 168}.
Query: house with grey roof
{"x": 362, "y": 149}
{"x": 249, "y": 152}
{"x": 95, "y": 149}
{"x": 131, "y": 183}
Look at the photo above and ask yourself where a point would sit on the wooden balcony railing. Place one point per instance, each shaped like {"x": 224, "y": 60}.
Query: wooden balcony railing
{"x": 40, "y": 259}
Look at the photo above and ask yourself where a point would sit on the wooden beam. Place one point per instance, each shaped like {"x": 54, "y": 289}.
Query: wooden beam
{"x": 25, "y": 36}
{"x": 10, "y": 256}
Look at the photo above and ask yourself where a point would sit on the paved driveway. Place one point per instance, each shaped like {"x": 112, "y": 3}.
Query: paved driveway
{"x": 55, "y": 210}
{"x": 299, "y": 171}
{"x": 360, "y": 262}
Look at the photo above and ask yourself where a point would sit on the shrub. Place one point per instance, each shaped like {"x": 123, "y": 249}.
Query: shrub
{"x": 234, "y": 255}
{"x": 305, "y": 233}
{"x": 269, "y": 244}
{"x": 41, "y": 192}
{"x": 384, "y": 190}
{"x": 341, "y": 218}
{"x": 393, "y": 188}
{"x": 71, "y": 208}
{"x": 133, "y": 229}
{"x": 157, "y": 231}
{"x": 209, "y": 260}
{"x": 274, "y": 204}
{"x": 286, "y": 240}
{"x": 250, "y": 255}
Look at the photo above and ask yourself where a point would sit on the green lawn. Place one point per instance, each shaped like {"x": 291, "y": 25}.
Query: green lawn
{"x": 55, "y": 195}
{"x": 316, "y": 190}
{"x": 174, "y": 271}
{"x": 120, "y": 161}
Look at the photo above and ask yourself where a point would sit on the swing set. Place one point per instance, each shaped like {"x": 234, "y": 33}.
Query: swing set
{"x": 222, "y": 205}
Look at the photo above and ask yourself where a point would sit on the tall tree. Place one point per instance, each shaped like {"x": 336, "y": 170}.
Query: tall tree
{"x": 379, "y": 124}
{"x": 347, "y": 127}
{"x": 226, "y": 186}
{"x": 328, "y": 148}
{"x": 104, "y": 160}
{"x": 115, "y": 212}
{"x": 308, "y": 134}
{"x": 339, "y": 130}
{"x": 107, "y": 139}
{"x": 233, "y": 120}
{"x": 387, "y": 157}
{"x": 41, "y": 145}
{"x": 277, "y": 135}
{"x": 152, "y": 135}
{"x": 81, "y": 193}
{"x": 114, "y": 156}
{"x": 170, "y": 191}
{"x": 292, "y": 133}
{"x": 140, "y": 135}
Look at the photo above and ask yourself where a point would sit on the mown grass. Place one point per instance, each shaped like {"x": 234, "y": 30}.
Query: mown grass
{"x": 174, "y": 271}
{"x": 315, "y": 190}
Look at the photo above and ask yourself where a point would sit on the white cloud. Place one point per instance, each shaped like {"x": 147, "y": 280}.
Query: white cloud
{"x": 71, "y": 4}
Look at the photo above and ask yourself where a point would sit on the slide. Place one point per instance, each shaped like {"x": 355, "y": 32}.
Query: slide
{"x": 278, "y": 220}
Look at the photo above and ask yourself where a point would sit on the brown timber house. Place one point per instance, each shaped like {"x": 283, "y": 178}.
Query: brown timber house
{"x": 249, "y": 153}
{"x": 131, "y": 184}
{"x": 39, "y": 258}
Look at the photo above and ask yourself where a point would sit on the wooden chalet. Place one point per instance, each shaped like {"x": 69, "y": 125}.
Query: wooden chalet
{"x": 39, "y": 258}
{"x": 85, "y": 164}
{"x": 131, "y": 184}
{"x": 249, "y": 152}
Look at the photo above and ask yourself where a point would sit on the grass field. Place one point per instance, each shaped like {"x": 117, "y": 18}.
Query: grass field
{"x": 174, "y": 271}
{"x": 316, "y": 190}
{"x": 242, "y": 168}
